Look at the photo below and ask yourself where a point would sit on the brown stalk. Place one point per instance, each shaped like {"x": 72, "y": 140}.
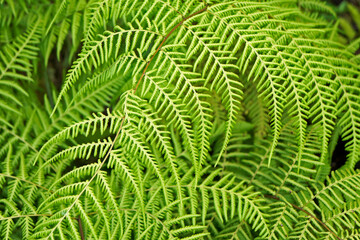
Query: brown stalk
{"x": 81, "y": 228}
{"x": 307, "y": 213}
{"x": 163, "y": 41}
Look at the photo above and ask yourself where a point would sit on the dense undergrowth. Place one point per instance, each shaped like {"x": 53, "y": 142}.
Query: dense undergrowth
{"x": 179, "y": 119}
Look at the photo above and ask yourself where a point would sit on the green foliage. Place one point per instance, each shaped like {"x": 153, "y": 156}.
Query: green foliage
{"x": 177, "y": 119}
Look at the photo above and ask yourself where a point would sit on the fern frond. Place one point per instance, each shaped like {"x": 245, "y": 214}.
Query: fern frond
{"x": 90, "y": 126}
{"x": 224, "y": 79}
{"x": 172, "y": 110}
{"x": 177, "y": 119}
{"x": 94, "y": 55}
{"x": 186, "y": 83}
{"x": 16, "y": 65}
{"x": 347, "y": 108}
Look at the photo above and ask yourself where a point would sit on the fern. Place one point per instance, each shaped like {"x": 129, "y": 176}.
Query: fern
{"x": 177, "y": 120}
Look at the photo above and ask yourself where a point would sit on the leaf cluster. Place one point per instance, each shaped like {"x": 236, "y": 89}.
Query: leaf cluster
{"x": 177, "y": 119}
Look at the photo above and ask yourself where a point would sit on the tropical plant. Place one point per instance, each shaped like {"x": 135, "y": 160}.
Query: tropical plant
{"x": 176, "y": 119}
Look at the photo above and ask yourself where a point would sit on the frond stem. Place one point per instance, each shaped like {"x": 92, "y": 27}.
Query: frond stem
{"x": 307, "y": 213}
{"x": 22, "y": 216}
{"x": 24, "y": 180}
{"x": 80, "y": 228}
{"x": 164, "y": 40}
{"x": 22, "y": 140}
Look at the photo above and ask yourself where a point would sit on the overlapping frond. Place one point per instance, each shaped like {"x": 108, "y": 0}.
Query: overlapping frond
{"x": 16, "y": 67}
{"x": 177, "y": 120}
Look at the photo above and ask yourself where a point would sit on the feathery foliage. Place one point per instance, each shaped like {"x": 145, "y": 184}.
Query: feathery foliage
{"x": 177, "y": 119}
